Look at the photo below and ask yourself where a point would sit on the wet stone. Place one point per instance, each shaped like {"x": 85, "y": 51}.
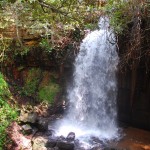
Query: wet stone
{"x": 50, "y": 132}
{"x": 96, "y": 140}
{"x": 55, "y": 148}
{"x": 28, "y": 117}
{"x": 51, "y": 142}
{"x": 42, "y": 123}
{"x": 71, "y": 136}
{"x": 39, "y": 143}
{"x": 64, "y": 145}
{"x": 78, "y": 145}
{"x": 27, "y": 128}
{"x": 61, "y": 138}
{"x": 96, "y": 148}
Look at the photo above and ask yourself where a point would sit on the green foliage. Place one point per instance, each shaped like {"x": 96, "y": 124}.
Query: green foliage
{"x": 49, "y": 18}
{"x": 19, "y": 51}
{"x": 44, "y": 17}
{"x": 4, "y": 91}
{"x": 47, "y": 93}
{"x": 4, "y": 47}
{"x": 46, "y": 45}
{"x": 24, "y": 51}
{"x": 31, "y": 82}
{"x": 91, "y": 26}
{"x": 54, "y": 19}
{"x": 7, "y": 113}
{"x": 44, "y": 91}
{"x": 116, "y": 11}
{"x": 122, "y": 12}
{"x": 9, "y": 51}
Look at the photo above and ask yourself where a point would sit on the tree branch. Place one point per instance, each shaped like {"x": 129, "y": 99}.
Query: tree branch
{"x": 56, "y": 10}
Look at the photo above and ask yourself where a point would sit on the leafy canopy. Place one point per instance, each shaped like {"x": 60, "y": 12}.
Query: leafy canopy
{"x": 46, "y": 14}
{"x": 53, "y": 19}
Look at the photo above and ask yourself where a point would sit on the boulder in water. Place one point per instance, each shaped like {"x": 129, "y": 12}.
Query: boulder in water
{"x": 51, "y": 142}
{"x": 71, "y": 136}
{"x": 61, "y": 138}
{"x": 42, "y": 123}
{"x": 65, "y": 145}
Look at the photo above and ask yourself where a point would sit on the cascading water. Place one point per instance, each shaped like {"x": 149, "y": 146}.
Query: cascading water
{"x": 92, "y": 110}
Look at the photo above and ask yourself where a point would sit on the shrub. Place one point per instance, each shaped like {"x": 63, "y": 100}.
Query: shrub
{"x": 7, "y": 112}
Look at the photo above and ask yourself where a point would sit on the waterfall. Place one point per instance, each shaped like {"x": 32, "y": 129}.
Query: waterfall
{"x": 92, "y": 98}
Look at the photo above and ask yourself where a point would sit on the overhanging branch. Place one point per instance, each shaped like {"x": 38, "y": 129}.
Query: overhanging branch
{"x": 53, "y": 9}
{"x": 56, "y": 10}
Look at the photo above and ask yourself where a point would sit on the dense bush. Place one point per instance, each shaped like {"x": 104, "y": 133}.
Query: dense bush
{"x": 8, "y": 113}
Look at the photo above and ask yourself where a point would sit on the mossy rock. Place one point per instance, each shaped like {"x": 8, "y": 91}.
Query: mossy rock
{"x": 46, "y": 75}
{"x": 41, "y": 84}
{"x": 31, "y": 81}
{"x": 48, "y": 88}
{"x": 48, "y": 93}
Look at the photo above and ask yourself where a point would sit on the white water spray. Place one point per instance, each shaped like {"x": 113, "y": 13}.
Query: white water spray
{"x": 92, "y": 110}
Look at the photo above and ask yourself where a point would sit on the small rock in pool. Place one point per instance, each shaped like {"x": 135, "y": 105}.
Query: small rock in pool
{"x": 51, "y": 142}
{"x": 71, "y": 136}
{"x": 61, "y": 138}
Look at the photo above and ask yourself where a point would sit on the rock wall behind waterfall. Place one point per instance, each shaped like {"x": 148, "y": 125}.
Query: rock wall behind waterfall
{"x": 134, "y": 105}
{"x": 134, "y": 81}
